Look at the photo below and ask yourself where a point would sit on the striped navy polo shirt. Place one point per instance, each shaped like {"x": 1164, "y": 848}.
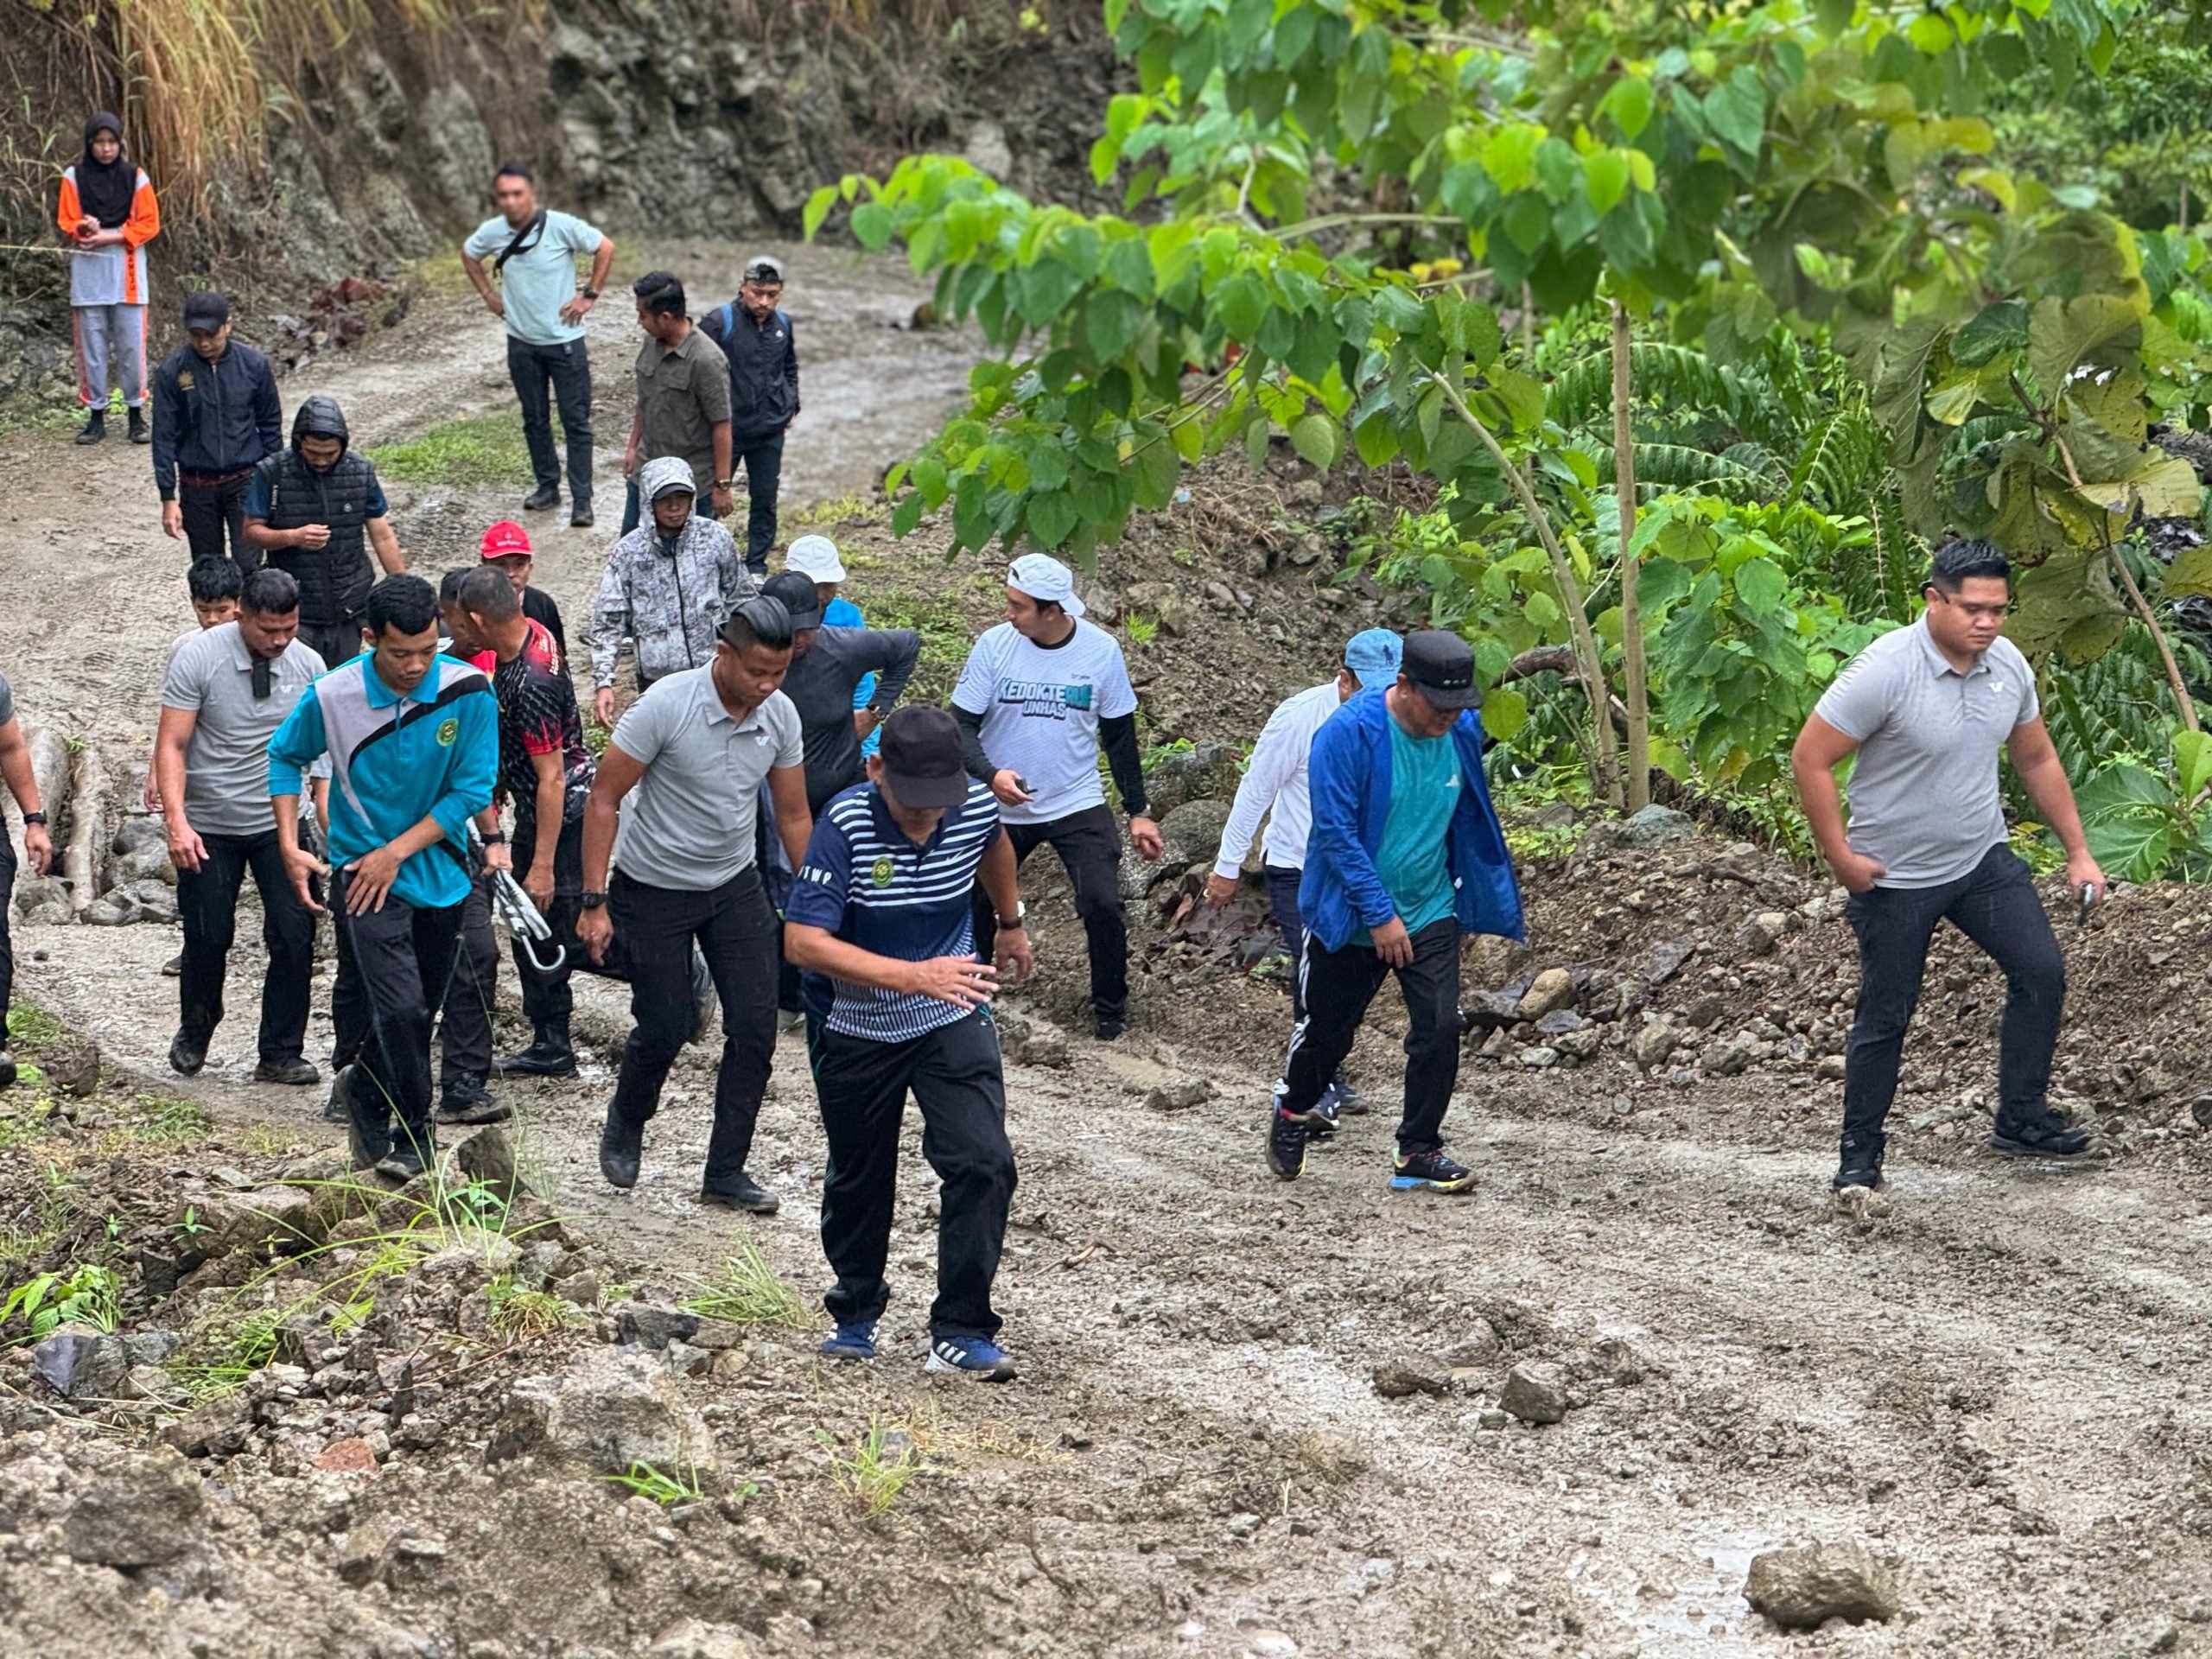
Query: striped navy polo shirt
{"x": 865, "y": 882}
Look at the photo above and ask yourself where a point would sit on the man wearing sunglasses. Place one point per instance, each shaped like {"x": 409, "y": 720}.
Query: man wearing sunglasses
{"x": 1926, "y": 709}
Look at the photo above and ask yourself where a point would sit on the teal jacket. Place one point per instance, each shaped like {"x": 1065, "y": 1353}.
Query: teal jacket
{"x": 395, "y": 761}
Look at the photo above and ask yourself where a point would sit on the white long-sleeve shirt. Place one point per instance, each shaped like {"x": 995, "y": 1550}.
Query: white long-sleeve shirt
{"x": 1275, "y": 777}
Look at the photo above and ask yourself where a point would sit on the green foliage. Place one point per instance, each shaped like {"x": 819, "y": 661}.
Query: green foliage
{"x": 748, "y": 1291}
{"x": 475, "y": 449}
{"x": 519, "y": 1314}
{"x": 92, "y": 1295}
{"x": 875, "y": 1472}
{"x": 664, "y": 1488}
{"x": 2148, "y": 821}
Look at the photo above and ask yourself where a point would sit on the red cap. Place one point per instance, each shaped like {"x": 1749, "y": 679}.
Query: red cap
{"x": 503, "y": 538}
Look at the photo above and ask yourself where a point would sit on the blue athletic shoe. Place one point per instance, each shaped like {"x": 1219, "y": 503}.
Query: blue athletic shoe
{"x": 1432, "y": 1170}
{"x": 851, "y": 1342}
{"x": 975, "y": 1356}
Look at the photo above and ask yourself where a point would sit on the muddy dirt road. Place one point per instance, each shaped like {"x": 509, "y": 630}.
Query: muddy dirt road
{"x": 1999, "y": 1386}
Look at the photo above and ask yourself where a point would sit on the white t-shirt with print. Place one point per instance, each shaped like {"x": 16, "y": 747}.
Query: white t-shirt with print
{"x": 1041, "y": 707}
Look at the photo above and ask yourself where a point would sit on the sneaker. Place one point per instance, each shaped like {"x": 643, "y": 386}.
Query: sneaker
{"x": 1285, "y": 1145}
{"x": 580, "y": 519}
{"x": 174, "y": 968}
{"x": 1348, "y": 1100}
{"x": 1322, "y": 1122}
{"x": 851, "y": 1342}
{"x": 2048, "y": 1136}
{"x": 295, "y": 1072}
{"x": 1432, "y": 1170}
{"x": 1861, "y": 1164}
{"x": 541, "y": 501}
{"x": 1110, "y": 1030}
{"x": 457, "y": 1109}
{"x": 975, "y": 1356}
{"x": 188, "y": 1054}
{"x": 742, "y": 1192}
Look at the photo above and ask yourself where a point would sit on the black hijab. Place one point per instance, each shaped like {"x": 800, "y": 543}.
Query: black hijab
{"x": 105, "y": 192}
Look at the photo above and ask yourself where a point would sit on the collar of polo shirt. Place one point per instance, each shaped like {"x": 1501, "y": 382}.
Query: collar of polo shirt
{"x": 1938, "y": 665}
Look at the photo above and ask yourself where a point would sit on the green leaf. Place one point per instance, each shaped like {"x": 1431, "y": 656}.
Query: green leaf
{"x": 908, "y": 514}
{"x": 1736, "y": 110}
{"x": 2193, "y": 764}
{"x": 2095, "y": 329}
{"x": 1050, "y": 517}
{"x": 1316, "y": 438}
{"x": 1160, "y": 469}
{"x": 1629, "y": 102}
{"x": 1997, "y": 329}
{"x": 1510, "y": 153}
{"x": 1832, "y": 17}
{"x": 817, "y": 209}
{"x": 1110, "y": 321}
{"x": 1505, "y": 711}
{"x": 1377, "y": 442}
{"x": 1604, "y": 176}
{"x": 1239, "y": 304}
{"x": 1760, "y": 586}
{"x": 870, "y": 226}
{"x": 1661, "y": 582}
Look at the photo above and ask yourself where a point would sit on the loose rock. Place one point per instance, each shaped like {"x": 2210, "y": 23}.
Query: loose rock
{"x": 1801, "y": 1589}
{"x": 1655, "y": 824}
{"x": 1404, "y": 1374}
{"x": 1553, "y": 988}
{"x": 139, "y": 1515}
{"x": 1535, "y": 1392}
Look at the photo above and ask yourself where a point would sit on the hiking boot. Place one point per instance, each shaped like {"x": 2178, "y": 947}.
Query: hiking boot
{"x": 412, "y": 1150}
{"x": 2047, "y": 1136}
{"x": 174, "y": 968}
{"x": 542, "y": 498}
{"x": 620, "y": 1146}
{"x": 1860, "y": 1163}
{"x": 1432, "y": 1170}
{"x": 464, "y": 1099}
{"x": 1110, "y": 1030}
{"x": 188, "y": 1053}
{"x": 295, "y": 1072}
{"x": 335, "y": 1110}
{"x": 851, "y": 1342}
{"x": 581, "y": 518}
{"x": 705, "y": 1003}
{"x": 1285, "y": 1145}
{"x": 139, "y": 432}
{"x": 368, "y": 1120}
{"x": 95, "y": 427}
{"x": 742, "y": 1192}
{"x": 550, "y": 1054}
{"x": 976, "y": 1357}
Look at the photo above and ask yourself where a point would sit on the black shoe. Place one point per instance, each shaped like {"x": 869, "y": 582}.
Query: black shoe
{"x": 298, "y": 1073}
{"x": 1285, "y": 1145}
{"x": 1346, "y": 1099}
{"x": 1108, "y": 1030}
{"x": 464, "y": 1099}
{"x": 549, "y": 1055}
{"x": 335, "y": 1110}
{"x": 1861, "y": 1164}
{"x": 619, "y": 1145}
{"x": 412, "y": 1150}
{"x": 742, "y": 1192}
{"x": 139, "y": 432}
{"x": 541, "y": 499}
{"x": 2048, "y": 1136}
{"x": 188, "y": 1054}
{"x": 7, "y": 1070}
{"x": 580, "y": 519}
{"x": 368, "y": 1119}
{"x": 174, "y": 968}
{"x": 95, "y": 427}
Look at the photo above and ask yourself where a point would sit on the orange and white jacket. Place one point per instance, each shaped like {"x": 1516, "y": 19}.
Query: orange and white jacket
{"x": 115, "y": 275}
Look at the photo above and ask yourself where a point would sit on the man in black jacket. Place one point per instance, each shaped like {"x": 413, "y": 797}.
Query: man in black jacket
{"x": 756, "y": 338}
{"x": 315, "y": 509}
{"x": 216, "y": 417}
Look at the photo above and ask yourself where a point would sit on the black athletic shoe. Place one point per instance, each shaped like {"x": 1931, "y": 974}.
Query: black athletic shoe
{"x": 188, "y": 1054}
{"x": 742, "y": 1192}
{"x": 1285, "y": 1145}
{"x": 464, "y": 1099}
{"x": 174, "y": 968}
{"x": 1322, "y": 1122}
{"x": 2048, "y": 1136}
{"x": 540, "y": 501}
{"x": 1346, "y": 1099}
{"x": 1431, "y": 1172}
{"x": 549, "y": 1055}
{"x": 335, "y": 1110}
{"x": 139, "y": 432}
{"x": 296, "y": 1073}
{"x": 1860, "y": 1163}
{"x": 368, "y": 1120}
{"x": 95, "y": 427}
{"x": 620, "y": 1146}
{"x": 1110, "y": 1030}
{"x": 412, "y": 1151}
{"x": 580, "y": 519}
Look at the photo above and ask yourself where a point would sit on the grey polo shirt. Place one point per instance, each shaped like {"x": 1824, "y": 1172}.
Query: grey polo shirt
{"x": 681, "y": 392}
{"x": 227, "y": 761}
{"x": 1924, "y": 800}
{"x": 689, "y": 823}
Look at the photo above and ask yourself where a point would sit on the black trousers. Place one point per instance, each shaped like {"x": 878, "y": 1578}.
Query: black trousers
{"x": 7, "y": 944}
{"x": 214, "y": 521}
{"x": 954, "y": 1074}
{"x": 1995, "y": 906}
{"x": 547, "y": 377}
{"x": 207, "y": 904}
{"x": 1090, "y": 845}
{"x": 472, "y": 984}
{"x": 736, "y": 932}
{"x": 334, "y": 642}
{"x": 392, "y": 965}
{"x": 1339, "y": 984}
{"x": 763, "y": 462}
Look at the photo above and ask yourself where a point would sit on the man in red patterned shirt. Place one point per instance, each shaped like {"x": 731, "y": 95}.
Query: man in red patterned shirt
{"x": 546, "y": 773}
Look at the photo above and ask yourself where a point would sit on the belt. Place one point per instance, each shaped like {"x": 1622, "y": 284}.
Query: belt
{"x": 212, "y": 480}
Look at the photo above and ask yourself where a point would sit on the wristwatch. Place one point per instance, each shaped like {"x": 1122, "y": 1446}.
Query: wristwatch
{"x": 492, "y": 838}
{"x": 38, "y": 818}
{"x": 592, "y": 900}
{"x": 1020, "y": 909}
{"x": 724, "y": 483}
{"x": 588, "y": 293}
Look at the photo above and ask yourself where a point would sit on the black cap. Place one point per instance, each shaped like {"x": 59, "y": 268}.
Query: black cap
{"x": 799, "y": 597}
{"x": 922, "y": 763}
{"x": 1443, "y": 667}
{"x": 205, "y": 311}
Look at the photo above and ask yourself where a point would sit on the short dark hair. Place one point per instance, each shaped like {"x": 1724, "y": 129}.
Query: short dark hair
{"x": 270, "y": 592}
{"x": 660, "y": 292}
{"x": 405, "y": 603}
{"x": 212, "y": 580}
{"x": 758, "y": 621}
{"x": 516, "y": 170}
{"x": 488, "y": 593}
{"x": 1964, "y": 557}
{"x": 449, "y": 583}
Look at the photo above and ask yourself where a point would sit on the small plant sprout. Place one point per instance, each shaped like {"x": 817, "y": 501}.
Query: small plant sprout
{"x": 881, "y": 1464}
{"x": 665, "y": 1490}
{"x": 748, "y": 1292}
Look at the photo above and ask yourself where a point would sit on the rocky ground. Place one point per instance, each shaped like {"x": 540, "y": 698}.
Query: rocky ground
{"x": 507, "y": 1412}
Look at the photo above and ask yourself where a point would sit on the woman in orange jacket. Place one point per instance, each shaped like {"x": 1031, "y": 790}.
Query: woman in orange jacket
{"x": 108, "y": 216}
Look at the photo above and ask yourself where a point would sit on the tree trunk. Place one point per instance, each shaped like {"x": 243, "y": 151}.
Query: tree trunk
{"x": 1632, "y": 677}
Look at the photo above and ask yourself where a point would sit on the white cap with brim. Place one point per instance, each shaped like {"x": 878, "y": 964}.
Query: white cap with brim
{"x": 1045, "y": 580}
{"x": 815, "y": 556}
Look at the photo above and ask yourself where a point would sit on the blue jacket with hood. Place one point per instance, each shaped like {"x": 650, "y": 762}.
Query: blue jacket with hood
{"x": 1349, "y": 771}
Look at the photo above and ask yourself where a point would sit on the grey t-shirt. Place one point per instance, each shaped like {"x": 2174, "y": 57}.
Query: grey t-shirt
{"x": 821, "y": 686}
{"x": 227, "y": 761}
{"x": 1923, "y": 797}
{"x": 689, "y": 823}
{"x": 7, "y": 700}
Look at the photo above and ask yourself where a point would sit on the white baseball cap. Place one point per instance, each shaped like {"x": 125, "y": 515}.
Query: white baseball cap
{"x": 1046, "y": 580}
{"x": 815, "y": 556}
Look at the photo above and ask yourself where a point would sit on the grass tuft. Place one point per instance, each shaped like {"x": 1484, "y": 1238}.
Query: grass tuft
{"x": 663, "y": 1488}
{"x": 518, "y": 1315}
{"x": 748, "y": 1292}
{"x": 476, "y": 450}
{"x": 880, "y": 1466}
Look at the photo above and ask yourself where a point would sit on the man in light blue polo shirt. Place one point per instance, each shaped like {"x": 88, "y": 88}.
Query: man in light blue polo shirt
{"x": 413, "y": 738}
{"x": 533, "y": 253}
